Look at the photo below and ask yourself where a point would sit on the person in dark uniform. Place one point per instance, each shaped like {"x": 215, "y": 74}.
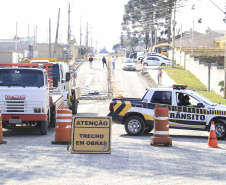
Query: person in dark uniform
{"x": 90, "y": 61}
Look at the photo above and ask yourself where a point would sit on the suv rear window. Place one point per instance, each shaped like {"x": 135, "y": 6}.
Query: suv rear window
{"x": 162, "y": 97}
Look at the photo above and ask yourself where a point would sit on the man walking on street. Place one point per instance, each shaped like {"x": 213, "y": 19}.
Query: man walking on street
{"x": 104, "y": 62}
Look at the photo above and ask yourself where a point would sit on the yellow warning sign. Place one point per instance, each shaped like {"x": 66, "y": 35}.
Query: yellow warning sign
{"x": 91, "y": 135}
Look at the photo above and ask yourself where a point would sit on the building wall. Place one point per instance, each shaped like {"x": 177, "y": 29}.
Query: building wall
{"x": 10, "y": 57}
{"x": 43, "y": 51}
{"x": 200, "y": 70}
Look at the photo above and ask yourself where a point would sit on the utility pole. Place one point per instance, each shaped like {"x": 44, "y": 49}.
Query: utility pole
{"x": 173, "y": 37}
{"x": 80, "y": 35}
{"x": 36, "y": 33}
{"x": 87, "y": 40}
{"x": 69, "y": 33}
{"x": 28, "y": 34}
{"x": 56, "y": 39}
{"x": 91, "y": 40}
{"x": 34, "y": 48}
{"x": 49, "y": 38}
{"x": 16, "y": 37}
{"x": 192, "y": 47}
{"x": 96, "y": 45}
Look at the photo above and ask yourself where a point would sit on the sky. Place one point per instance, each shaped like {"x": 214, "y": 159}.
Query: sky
{"x": 104, "y": 19}
{"x": 212, "y": 17}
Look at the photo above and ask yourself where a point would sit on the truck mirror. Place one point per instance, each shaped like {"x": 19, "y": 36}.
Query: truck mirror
{"x": 55, "y": 81}
{"x": 68, "y": 76}
{"x": 200, "y": 105}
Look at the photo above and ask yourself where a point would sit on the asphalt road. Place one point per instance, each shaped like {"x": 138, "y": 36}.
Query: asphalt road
{"x": 30, "y": 158}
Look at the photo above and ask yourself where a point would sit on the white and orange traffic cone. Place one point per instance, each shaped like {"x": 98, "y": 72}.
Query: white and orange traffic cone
{"x": 1, "y": 135}
{"x": 142, "y": 70}
{"x": 212, "y": 140}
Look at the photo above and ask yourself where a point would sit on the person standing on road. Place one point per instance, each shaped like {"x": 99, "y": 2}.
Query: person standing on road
{"x": 66, "y": 56}
{"x": 74, "y": 76}
{"x": 159, "y": 76}
{"x": 113, "y": 62}
{"x": 104, "y": 62}
{"x": 90, "y": 61}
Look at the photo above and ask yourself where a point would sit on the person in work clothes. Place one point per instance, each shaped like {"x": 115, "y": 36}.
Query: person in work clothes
{"x": 113, "y": 62}
{"x": 159, "y": 76}
{"x": 104, "y": 62}
{"x": 90, "y": 61}
{"x": 74, "y": 76}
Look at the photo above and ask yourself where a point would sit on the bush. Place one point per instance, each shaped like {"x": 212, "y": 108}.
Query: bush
{"x": 213, "y": 59}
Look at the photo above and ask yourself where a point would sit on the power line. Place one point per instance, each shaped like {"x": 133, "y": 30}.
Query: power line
{"x": 218, "y": 7}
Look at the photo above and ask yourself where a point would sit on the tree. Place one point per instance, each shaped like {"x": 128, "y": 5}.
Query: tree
{"x": 145, "y": 17}
{"x": 115, "y": 46}
{"x": 82, "y": 50}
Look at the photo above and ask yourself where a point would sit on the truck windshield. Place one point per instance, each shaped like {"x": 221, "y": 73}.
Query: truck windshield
{"x": 55, "y": 71}
{"x": 21, "y": 77}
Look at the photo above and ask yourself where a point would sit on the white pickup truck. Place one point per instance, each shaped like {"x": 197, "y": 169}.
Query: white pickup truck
{"x": 138, "y": 114}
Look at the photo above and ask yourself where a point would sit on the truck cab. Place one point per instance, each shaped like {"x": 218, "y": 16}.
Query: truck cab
{"x": 61, "y": 71}
{"x": 24, "y": 97}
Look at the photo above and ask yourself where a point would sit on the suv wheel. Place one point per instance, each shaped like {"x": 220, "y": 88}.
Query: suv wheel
{"x": 220, "y": 127}
{"x": 135, "y": 126}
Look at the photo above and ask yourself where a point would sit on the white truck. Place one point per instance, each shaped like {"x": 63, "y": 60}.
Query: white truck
{"x": 65, "y": 87}
{"x": 138, "y": 114}
{"x": 25, "y": 96}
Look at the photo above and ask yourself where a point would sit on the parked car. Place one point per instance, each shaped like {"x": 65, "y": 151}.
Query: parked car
{"x": 156, "y": 55}
{"x": 155, "y": 61}
{"x": 162, "y": 56}
{"x": 129, "y": 64}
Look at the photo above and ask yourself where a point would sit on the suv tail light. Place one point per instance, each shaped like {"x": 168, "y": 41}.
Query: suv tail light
{"x": 111, "y": 109}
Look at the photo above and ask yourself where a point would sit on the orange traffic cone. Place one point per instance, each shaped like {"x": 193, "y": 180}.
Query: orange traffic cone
{"x": 142, "y": 70}
{"x": 118, "y": 96}
{"x": 1, "y": 135}
{"x": 212, "y": 141}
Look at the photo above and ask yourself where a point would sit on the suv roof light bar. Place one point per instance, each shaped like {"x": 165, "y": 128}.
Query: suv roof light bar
{"x": 179, "y": 86}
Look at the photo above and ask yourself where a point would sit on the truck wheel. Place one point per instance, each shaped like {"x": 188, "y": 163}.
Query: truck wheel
{"x": 44, "y": 127}
{"x": 53, "y": 119}
{"x": 134, "y": 126}
{"x": 74, "y": 106}
{"x": 220, "y": 127}
{"x": 148, "y": 129}
{"x": 145, "y": 64}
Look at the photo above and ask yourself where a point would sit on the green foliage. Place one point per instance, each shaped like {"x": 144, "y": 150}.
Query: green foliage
{"x": 115, "y": 46}
{"x": 213, "y": 97}
{"x": 181, "y": 76}
{"x": 82, "y": 50}
{"x": 185, "y": 77}
{"x": 213, "y": 59}
{"x": 221, "y": 84}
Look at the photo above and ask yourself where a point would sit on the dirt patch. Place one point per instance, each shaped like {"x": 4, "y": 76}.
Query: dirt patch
{"x": 148, "y": 79}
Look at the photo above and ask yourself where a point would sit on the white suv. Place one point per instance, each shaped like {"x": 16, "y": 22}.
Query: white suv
{"x": 155, "y": 61}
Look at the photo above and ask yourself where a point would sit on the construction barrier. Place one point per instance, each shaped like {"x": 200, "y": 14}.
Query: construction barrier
{"x": 63, "y": 126}
{"x": 1, "y": 134}
{"x": 212, "y": 140}
{"x": 161, "y": 127}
